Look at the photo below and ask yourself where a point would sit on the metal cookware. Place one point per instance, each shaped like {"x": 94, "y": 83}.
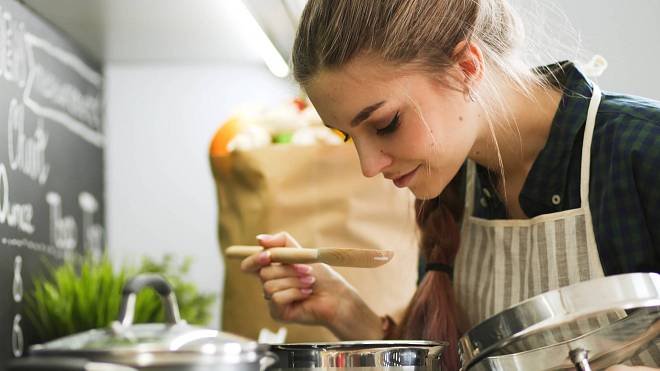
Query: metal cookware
{"x": 595, "y": 323}
{"x": 64, "y": 364}
{"x": 174, "y": 345}
{"x": 393, "y": 355}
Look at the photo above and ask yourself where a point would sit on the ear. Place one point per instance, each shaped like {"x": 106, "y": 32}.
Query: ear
{"x": 470, "y": 60}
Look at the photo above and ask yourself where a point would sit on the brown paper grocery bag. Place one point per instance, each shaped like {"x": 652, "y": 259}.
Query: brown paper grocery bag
{"x": 319, "y": 195}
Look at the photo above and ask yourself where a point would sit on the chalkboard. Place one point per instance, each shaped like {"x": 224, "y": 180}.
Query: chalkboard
{"x": 51, "y": 161}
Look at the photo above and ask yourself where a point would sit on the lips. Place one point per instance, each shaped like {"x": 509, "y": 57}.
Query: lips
{"x": 405, "y": 179}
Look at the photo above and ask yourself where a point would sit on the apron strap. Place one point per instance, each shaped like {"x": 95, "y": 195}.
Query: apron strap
{"x": 586, "y": 146}
{"x": 584, "y": 167}
{"x": 469, "y": 188}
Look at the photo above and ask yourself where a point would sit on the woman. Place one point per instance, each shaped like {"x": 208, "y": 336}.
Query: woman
{"x": 526, "y": 179}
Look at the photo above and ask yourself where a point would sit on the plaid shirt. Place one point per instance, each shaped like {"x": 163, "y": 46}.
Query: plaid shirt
{"x": 624, "y": 189}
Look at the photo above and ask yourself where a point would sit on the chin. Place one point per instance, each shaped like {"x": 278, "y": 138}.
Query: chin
{"x": 422, "y": 193}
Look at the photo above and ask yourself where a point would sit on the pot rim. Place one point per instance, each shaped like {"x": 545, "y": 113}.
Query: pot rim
{"x": 365, "y": 343}
{"x": 152, "y": 356}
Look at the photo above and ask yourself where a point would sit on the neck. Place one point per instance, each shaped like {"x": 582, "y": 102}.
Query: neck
{"x": 521, "y": 131}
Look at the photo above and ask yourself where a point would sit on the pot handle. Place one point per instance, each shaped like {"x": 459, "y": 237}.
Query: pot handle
{"x": 133, "y": 286}
{"x": 580, "y": 358}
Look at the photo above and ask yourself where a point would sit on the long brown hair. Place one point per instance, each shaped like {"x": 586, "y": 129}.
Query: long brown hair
{"x": 431, "y": 314}
{"x": 421, "y": 34}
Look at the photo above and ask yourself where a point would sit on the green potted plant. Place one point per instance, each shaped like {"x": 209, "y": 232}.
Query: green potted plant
{"x": 85, "y": 293}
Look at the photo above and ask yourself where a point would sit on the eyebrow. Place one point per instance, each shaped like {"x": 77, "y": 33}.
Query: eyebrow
{"x": 365, "y": 113}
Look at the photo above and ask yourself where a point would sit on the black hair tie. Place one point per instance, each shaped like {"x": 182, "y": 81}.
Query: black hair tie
{"x": 439, "y": 267}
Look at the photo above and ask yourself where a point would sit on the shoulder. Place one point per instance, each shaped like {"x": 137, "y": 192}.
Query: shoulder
{"x": 624, "y": 193}
{"x": 626, "y": 143}
{"x": 631, "y": 107}
{"x": 629, "y": 126}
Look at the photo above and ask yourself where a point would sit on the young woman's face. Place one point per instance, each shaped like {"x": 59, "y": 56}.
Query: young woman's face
{"x": 411, "y": 128}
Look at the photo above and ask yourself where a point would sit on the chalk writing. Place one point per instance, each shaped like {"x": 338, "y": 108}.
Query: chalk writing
{"x": 92, "y": 233}
{"x": 75, "y": 104}
{"x": 17, "y": 337}
{"x": 26, "y": 153}
{"x": 14, "y": 215}
{"x": 13, "y": 65}
{"x": 17, "y": 287}
{"x": 63, "y": 229}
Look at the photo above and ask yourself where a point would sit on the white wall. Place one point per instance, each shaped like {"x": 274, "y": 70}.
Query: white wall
{"x": 159, "y": 190}
{"x": 626, "y": 33}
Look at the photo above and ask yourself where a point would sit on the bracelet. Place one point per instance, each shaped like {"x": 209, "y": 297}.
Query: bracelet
{"x": 388, "y": 326}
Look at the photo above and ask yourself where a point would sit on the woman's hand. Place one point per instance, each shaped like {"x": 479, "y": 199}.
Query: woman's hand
{"x": 312, "y": 294}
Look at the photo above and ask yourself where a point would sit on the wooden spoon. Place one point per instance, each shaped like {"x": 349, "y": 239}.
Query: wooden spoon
{"x": 340, "y": 257}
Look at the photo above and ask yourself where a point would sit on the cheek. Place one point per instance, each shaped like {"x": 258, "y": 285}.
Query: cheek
{"x": 444, "y": 140}
{"x": 444, "y": 152}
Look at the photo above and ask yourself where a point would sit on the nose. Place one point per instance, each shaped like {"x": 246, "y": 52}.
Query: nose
{"x": 372, "y": 160}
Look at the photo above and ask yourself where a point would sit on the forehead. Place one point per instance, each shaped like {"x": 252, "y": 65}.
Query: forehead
{"x": 357, "y": 72}
{"x": 339, "y": 94}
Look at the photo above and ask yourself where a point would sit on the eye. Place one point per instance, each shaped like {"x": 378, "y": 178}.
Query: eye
{"x": 391, "y": 127}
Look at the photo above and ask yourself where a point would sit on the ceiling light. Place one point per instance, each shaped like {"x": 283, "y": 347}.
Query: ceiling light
{"x": 258, "y": 37}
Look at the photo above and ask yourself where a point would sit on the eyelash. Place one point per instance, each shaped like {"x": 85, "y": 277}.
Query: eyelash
{"x": 390, "y": 128}
{"x": 393, "y": 125}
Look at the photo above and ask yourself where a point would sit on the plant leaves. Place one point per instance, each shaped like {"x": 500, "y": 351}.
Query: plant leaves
{"x": 85, "y": 293}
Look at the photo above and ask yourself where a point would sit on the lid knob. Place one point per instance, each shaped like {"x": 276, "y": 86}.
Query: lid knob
{"x": 156, "y": 282}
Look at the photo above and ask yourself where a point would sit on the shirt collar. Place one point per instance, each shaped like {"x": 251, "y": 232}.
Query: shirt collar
{"x": 550, "y": 171}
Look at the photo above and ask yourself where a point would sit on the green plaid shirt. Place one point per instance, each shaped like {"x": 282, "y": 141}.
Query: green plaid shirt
{"x": 624, "y": 189}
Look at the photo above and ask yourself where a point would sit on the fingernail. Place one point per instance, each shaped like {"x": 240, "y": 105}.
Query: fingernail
{"x": 306, "y": 291}
{"x": 261, "y": 237}
{"x": 302, "y": 268}
{"x": 307, "y": 279}
{"x": 264, "y": 257}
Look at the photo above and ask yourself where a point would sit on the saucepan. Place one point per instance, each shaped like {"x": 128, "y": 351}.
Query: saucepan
{"x": 392, "y": 355}
{"x": 174, "y": 345}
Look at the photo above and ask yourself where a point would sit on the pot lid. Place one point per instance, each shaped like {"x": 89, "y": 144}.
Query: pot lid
{"x": 611, "y": 344}
{"x": 605, "y": 318}
{"x": 146, "y": 337}
{"x": 135, "y": 344}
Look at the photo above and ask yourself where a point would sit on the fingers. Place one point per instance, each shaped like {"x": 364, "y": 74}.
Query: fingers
{"x": 253, "y": 263}
{"x": 272, "y": 287}
{"x": 273, "y": 272}
{"x": 281, "y": 239}
{"x": 284, "y": 284}
{"x": 291, "y": 295}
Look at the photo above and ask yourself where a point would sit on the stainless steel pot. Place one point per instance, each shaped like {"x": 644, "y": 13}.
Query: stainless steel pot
{"x": 174, "y": 345}
{"x": 394, "y": 355}
{"x": 596, "y": 323}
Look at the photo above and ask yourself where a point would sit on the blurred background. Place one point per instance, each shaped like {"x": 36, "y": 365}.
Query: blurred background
{"x": 175, "y": 70}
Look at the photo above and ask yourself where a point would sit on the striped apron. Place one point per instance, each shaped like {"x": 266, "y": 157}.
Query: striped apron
{"x": 503, "y": 262}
